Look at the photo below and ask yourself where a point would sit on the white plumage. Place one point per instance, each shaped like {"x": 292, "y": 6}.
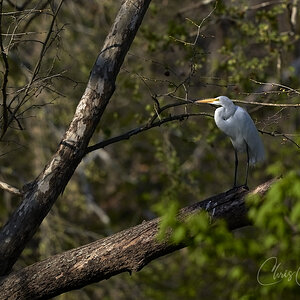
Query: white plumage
{"x": 235, "y": 122}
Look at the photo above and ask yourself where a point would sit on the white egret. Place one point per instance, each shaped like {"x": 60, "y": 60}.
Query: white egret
{"x": 235, "y": 122}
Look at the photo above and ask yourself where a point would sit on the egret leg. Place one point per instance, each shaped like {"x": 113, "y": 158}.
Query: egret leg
{"x": 235, "y": 167}
{"x": 247, "y": 169}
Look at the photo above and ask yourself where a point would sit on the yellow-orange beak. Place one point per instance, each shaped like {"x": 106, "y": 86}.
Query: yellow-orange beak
{"x": 210, "y": 100}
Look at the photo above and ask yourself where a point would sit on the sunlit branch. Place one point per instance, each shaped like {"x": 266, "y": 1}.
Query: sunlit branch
{"x": 23, "y": 12}
{"x": 293, "y": 12}
{"x": 8, "y": 188}
{"x": 277, "y": 85}
{"x": 244, "y": 102}
{"x": 264, "y": 5}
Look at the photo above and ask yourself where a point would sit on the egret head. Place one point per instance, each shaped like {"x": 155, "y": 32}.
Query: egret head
{"x": 220, "y": 101}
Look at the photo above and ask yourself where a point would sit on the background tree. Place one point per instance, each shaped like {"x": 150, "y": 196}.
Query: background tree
{"x": 244, "y": 50}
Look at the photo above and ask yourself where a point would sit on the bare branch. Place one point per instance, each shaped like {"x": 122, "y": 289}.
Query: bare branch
{"x": 278, "y": 85}
{"x": 149, "y": 125}
{"x": 268, "y": 103}
{"x": 26, "y": 12}
{"x": 23, "y": 33}
{"x": 293, "y": 10}
{"x": 264, "y": 5}
{"x": 6, "y": 187}
{"x": 242, "y": 101}
{"x": 198, "y": 28}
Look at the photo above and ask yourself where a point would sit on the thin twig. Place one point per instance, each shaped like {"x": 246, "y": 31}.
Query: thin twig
{"x": 38, "y": 81}
{"x": 268, "y": 103}
{"x": 277, "y": 134}
{"x": 26, "y": 11}
{"x": 165, "y": 107}
{"x": 14, "y": 31}
{"x": 23, "y": 33}
{"x": 198, "y": 28}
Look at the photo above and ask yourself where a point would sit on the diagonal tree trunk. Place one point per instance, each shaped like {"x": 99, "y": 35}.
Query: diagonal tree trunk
{"x": 40, "y": 195}
{"x": 126, "y": 251}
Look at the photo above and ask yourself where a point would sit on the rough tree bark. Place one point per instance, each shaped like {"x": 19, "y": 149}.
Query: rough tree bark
{"x": 40, "y": 195}
{"x": 129, "y": 250}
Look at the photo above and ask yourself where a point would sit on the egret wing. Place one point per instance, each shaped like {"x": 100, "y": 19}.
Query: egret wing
{"x": 251, "y": 136}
